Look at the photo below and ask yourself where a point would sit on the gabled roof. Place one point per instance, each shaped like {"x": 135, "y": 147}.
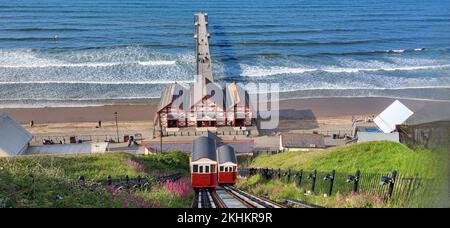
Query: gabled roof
{"x": 226, "y": 154}
{"x": 235, "y": 94}
{"x": 14, "y": 138}
{"x": 302, "y": 140}
{"x": 204, "y": 147}
{"x": 171, "y": 93}
{"x": 213, "y": 91}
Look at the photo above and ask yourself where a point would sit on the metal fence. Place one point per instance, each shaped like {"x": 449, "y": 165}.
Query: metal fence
{"x": 200, "y": 133}
{"x": 392, "y": 187}
{"x": 39, "y": 139}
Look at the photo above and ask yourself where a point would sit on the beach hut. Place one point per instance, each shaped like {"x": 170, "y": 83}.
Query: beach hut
{"x": 14, "y": 139}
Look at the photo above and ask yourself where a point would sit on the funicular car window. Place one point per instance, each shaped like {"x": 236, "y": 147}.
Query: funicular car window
{"x": 213, "y": 168}
{"x": 195, "y": 169}
{"x": 221, "y": 168}
{"x": 207, "y": 169}
{"x": 201, "y": 169}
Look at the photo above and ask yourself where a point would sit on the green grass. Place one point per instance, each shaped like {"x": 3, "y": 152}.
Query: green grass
{"x": 175, "y": 162}
{"x": 50, "y": 181}
{"x": 373, "y": 159}
{"x": 278, "y": 190}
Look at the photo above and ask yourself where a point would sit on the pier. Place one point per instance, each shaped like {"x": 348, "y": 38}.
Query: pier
{"x": 203, "y": 57}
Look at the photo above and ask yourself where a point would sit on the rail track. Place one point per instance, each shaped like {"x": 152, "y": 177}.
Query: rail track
{"x": 230, "y": 197}
{"x": 203, "y": 199}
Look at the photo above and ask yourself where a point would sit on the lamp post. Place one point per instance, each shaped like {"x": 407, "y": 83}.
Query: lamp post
{"x": 117, "y": 126}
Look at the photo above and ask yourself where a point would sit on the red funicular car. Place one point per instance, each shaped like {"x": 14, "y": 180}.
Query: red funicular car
{"x": 227, "y": 165}
{"x": 204, "y": 163}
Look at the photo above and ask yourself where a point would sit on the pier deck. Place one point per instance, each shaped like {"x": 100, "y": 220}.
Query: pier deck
{"x": 203, "y": 56}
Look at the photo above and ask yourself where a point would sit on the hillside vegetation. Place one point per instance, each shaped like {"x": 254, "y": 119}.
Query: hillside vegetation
{"x": 371, "y": 157}
{"x": 420, "y": 183}
{"x": 52, "y": 181}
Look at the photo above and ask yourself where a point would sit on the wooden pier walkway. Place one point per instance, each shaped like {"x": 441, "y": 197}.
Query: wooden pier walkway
{"x": 203, "y": 56}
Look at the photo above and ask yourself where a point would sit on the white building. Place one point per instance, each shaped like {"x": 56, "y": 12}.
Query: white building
{"x": 14, "y": 139}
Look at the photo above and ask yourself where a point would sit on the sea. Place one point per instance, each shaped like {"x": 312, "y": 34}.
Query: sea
{"x": 97, "y": 52}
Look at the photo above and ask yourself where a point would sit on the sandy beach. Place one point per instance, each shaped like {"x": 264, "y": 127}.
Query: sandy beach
{"x": 297, "y": 109}
{"x": 295, "y": 115}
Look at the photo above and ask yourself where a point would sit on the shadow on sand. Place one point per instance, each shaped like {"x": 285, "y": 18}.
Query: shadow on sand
{"x": 292, "y": 119}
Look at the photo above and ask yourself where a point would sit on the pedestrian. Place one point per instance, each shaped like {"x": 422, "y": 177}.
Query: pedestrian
{"x": 32, "y": 123}
{"x": 99, "y": 123}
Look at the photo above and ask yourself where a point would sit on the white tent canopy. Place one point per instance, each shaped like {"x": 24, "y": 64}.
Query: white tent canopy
{"x": 14, "y": 138}
{"x": 397, "y": 113}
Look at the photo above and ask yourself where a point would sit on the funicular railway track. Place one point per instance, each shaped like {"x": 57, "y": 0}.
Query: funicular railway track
{"x": 203, "y": 199}
{"x": 252, "y": 200}
{"x": 230, "y": 197}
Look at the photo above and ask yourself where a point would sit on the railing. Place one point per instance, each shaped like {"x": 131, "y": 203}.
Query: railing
{"x": 200, "y": 133}
{"x": 57, "y": 139}
{"x": 401, "y": 190}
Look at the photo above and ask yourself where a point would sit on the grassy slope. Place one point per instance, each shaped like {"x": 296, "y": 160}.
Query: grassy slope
{"x": 47, "y": 181}
{"x": 371, "y": 157}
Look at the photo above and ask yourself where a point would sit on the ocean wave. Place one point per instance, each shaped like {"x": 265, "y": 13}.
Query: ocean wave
{"x": 300, "y": 42}
{"x": 54, "y": 38}
{"x": 95, "y": 82}
{"x": 366, "y": 88}
{"x": 35, "y": 29}
{"x": 75, "y": 99}
{"x": 105, "y": 64}
{"x": 255, "y": 71}
{"x": 287, "y": 32}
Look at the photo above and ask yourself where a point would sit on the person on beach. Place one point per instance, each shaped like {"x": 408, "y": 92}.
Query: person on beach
{"x": 99, "y": 123}
{"x": 32, "y": 123}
